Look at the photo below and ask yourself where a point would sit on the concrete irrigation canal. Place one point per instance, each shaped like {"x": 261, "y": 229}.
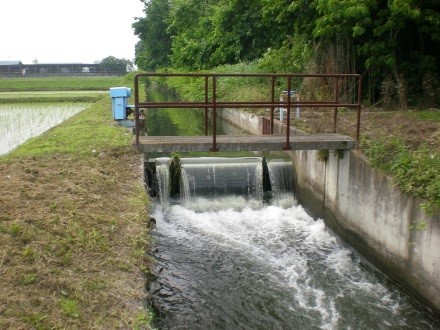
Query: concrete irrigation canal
{"x": 235, "y": 250}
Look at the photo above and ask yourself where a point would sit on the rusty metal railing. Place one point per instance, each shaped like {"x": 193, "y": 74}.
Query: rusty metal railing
{"x": 211, "y": 101}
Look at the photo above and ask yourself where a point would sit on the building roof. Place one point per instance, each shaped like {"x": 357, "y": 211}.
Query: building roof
{"x": 9, "y": 63}
{"x": 61, "y": 64}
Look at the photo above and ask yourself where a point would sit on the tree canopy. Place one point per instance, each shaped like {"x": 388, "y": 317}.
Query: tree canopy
{"x": 112, "y": 64}
{"x": 393, "y": 40}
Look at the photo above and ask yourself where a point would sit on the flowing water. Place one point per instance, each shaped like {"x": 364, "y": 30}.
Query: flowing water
{"x": 228, "y": 259}
{"x": 20, "y": 122}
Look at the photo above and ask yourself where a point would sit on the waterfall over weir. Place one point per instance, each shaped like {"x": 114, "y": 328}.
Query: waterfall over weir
{"x": 219, "y": 182}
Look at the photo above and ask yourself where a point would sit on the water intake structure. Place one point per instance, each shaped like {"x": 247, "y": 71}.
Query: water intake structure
{"x": 233, "y": 250}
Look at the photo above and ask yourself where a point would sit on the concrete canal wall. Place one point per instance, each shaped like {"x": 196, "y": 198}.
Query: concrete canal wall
{"x": 365, "y": 209}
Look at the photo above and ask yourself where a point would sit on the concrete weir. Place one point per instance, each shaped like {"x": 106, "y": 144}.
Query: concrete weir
{"x": 367, "y": 210}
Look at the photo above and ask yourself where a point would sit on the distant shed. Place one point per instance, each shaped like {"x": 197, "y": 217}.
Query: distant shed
{"x": 17, "y": 68}
{"x": 11, "y": 68}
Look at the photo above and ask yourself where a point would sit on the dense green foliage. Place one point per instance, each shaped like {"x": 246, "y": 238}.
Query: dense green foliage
{"x": 154, "y": 46}
{"x": 111, "y": 64}
{"x": 382, "y": 40}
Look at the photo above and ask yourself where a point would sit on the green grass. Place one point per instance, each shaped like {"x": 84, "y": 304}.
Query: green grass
{"x": 428, "y": 115}
{"x": 73, "y": 227}
{"x": 228, "y": 88}
{"x": 101, "y": 83}
{"x": 51, "y": 96}
{"x": 70, "y": 308}
{"x": 416, "y": 172}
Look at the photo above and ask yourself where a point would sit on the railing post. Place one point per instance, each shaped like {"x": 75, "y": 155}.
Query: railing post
{"x": 335, "y": 113}
{"x": 206, "y": 102}
{"x": 358, "y": 123}
{"x": 136, "y": 109}
{"x": 214, "y": 113}
{"x": 272, "y": 109}
{"x": 289, "y": 83}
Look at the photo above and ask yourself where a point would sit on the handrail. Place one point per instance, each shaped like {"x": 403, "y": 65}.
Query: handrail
{"x": 214, "y": 104}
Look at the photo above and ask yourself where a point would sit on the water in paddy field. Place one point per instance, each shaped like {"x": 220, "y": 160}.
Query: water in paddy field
{"x": 20, "y": 122}
{"x": 231, "y": 257}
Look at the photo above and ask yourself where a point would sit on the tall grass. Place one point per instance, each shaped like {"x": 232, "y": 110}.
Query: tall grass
{"x": 416, "y": 172}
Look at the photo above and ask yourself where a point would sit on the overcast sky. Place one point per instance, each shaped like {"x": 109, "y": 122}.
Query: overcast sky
{"x": 56, "y": 31}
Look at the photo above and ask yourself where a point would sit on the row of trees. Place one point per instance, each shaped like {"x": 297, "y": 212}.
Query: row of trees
{"x": 112, "y": 64}
{"x": 394, "y": 43}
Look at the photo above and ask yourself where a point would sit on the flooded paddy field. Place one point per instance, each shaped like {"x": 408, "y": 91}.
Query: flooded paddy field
{"x": 22, "y": 121}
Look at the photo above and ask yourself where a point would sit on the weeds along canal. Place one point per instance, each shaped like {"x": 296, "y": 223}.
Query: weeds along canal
{"x": 234, "y": 250}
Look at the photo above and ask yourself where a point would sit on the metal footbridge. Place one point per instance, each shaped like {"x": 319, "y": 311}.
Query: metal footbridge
{"x": 267, "y": 141}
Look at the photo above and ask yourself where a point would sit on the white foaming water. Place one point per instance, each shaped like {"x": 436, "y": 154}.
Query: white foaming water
{"x": 204, "y": 204}
{"x": 297, "y": 270}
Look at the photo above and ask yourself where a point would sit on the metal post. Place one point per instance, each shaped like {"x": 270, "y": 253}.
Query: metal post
{"x": 335, "y": 113}
{"x": 136, "y": 109}
{"x": 272, "y": 109}
{"x": 206, "y": 102}
{"x": 289, "y": 83}
{"x": 214, "y": 113}
{"x": 359, "y": 107}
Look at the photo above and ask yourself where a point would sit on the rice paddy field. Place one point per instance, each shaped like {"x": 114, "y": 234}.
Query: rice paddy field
{"x": 20, "y": 122}
{"x": 31, "y": 106}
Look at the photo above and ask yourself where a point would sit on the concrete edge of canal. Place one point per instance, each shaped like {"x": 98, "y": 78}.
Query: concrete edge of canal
{"x": 365, "y": 209}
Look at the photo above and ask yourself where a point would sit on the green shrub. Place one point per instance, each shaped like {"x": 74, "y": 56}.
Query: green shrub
{"x": 414, "y": 172}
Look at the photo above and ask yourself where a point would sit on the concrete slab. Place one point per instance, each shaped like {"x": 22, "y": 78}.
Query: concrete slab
{"x": 245, "y": 143}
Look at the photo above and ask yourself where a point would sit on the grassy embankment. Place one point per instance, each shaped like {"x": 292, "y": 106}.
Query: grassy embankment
{"x": 92, "y": 83}
{"x": 73, "y": 213}
{"x": 403, "y": 143}
{"x": 54, "y": 89}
